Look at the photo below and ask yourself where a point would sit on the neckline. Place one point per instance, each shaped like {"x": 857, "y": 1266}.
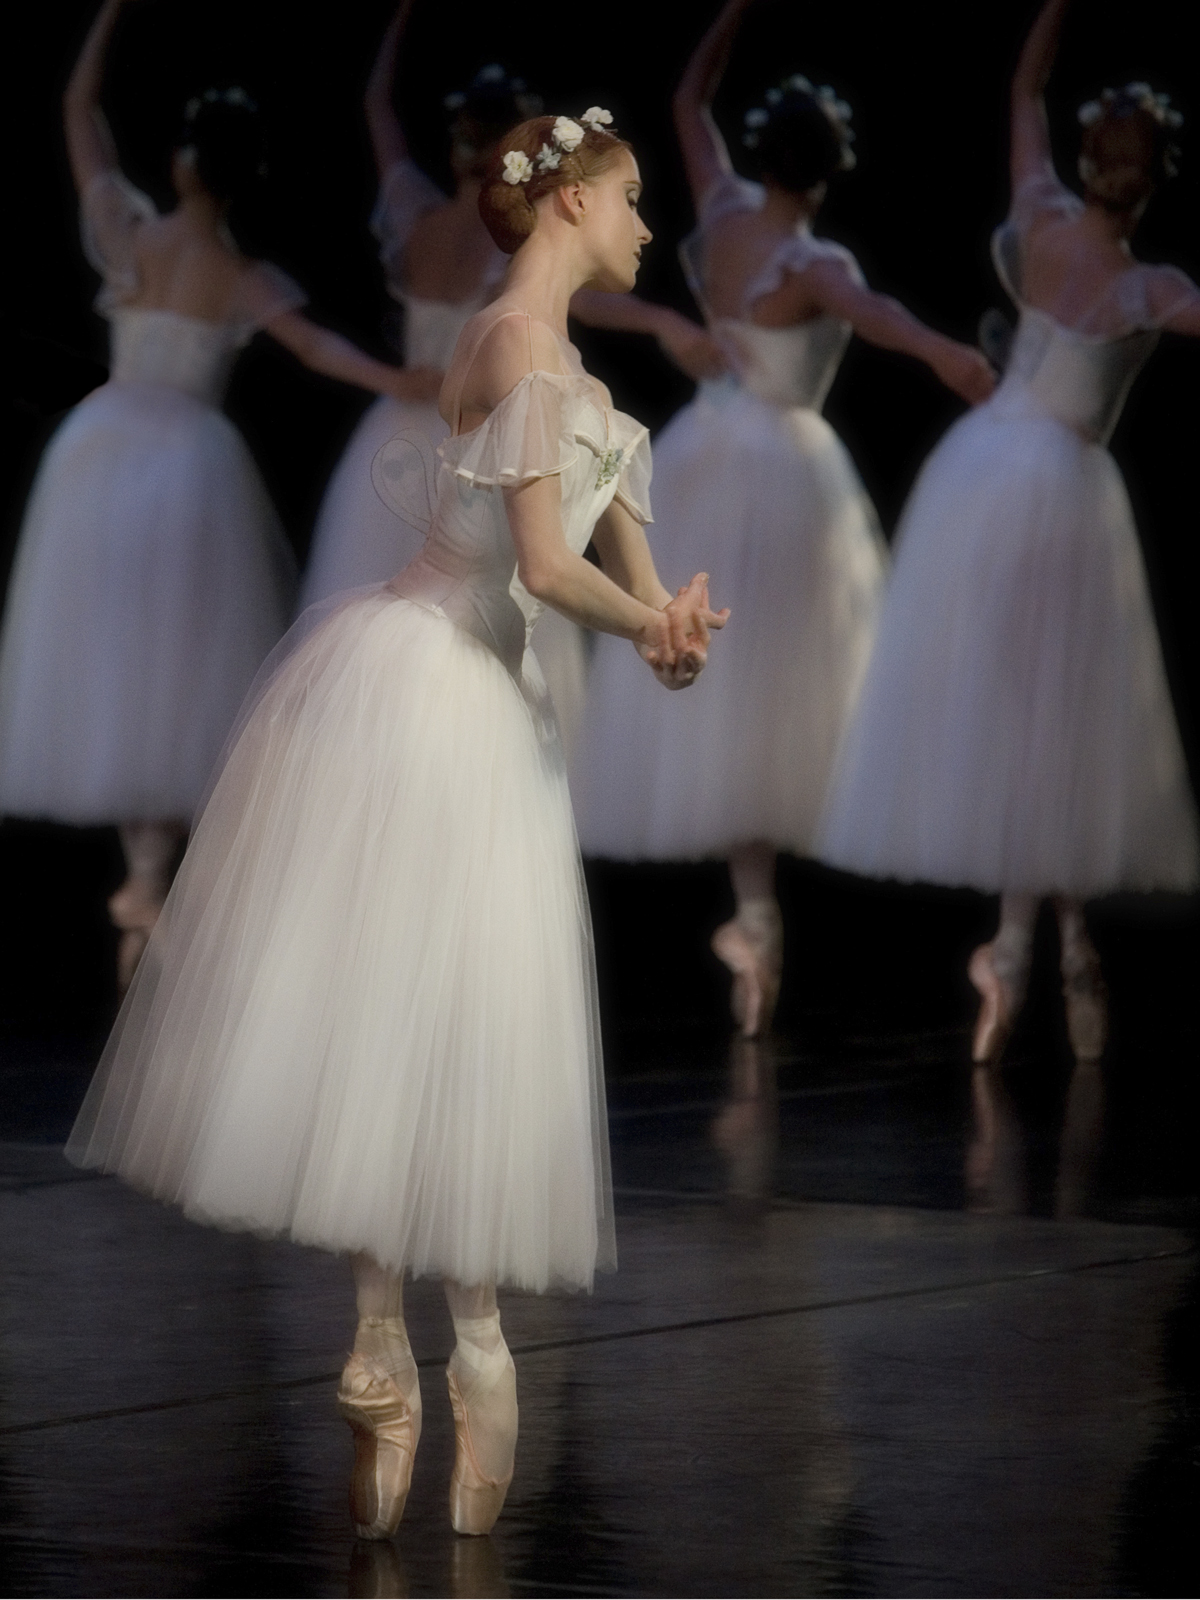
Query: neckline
{"x": 1077, "y": 334}
{"x": 166, "y": 311}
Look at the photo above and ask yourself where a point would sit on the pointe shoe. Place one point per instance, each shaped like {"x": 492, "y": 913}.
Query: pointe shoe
{"x": 133, "y": 913}
{"x": 997, "y": 1010}
{"x": 1086, "y": 998}
{"x": 385, "y": 1441}
{"x": 475, "y": 1499}
{"x": 755, "y": 961}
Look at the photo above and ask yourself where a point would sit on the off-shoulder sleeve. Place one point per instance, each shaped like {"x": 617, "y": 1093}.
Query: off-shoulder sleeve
{"x": 111, "y": 212}
{"x": 728, "y": 194}
{"x": 1150, "y": 296}
{"x": 530, "y": 434}
{"x": 406, "y": 194}
{"x": 1041, "y": 194}
{"x": 264, "y": 292}
{"x": 797, "y": 254}
{"x": 633, "y": 486}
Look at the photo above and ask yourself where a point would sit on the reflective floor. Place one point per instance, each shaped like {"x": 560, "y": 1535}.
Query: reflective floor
{"x": 881, "y": 1327}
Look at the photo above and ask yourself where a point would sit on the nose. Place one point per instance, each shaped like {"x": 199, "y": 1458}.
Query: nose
{"x": 644, "y": 234}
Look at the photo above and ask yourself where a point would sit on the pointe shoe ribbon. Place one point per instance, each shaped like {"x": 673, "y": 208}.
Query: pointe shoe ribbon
{"x": 385, "y": 1441}
{"x": 476, "y": 1499}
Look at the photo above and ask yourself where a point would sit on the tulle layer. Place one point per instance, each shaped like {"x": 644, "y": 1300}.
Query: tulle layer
{"x": 358, "y": 539}
{"x": 1015, "y": 730}
{"x": 367, "y": 1017}
{"x": 768, "y": 502}
{"x": 151, "y": 580}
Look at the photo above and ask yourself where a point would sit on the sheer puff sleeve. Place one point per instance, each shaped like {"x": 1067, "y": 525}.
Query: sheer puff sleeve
{"x": 406, "y": 194}
{"x": 263, "y": 293}
{"x": 112, "y": 211}
{"x": 530, "y": 434}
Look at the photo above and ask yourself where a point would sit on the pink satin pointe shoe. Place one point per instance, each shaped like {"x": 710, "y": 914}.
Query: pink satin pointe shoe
{"x": 755, "y": 957}
{"x": 998, "y": 1007}
{"x": 133, "y": 911}
{"x": 476, "y": 1499}
{"x": 1085, "y": 995}
{"x": 385, "y": 1442}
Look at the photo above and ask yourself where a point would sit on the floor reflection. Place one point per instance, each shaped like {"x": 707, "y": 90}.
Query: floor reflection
{"x": 746, "y": 1128}
{"x": 996, "y": 1167}
{"x": 473, "y": 1571}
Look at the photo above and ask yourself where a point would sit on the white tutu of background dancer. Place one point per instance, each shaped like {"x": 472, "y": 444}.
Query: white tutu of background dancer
{"x": 752, "y": 480}
{"x": 1015, "y": 731}
{"x": 366, "y": 1019}
{"x": 441, "y": 267}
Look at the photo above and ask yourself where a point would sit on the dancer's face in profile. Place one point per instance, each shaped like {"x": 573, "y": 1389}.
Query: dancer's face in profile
{"x": 613, "y": 231}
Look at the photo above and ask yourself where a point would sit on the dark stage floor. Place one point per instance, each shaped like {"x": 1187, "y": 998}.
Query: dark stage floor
{"x": 829, "y": 1363}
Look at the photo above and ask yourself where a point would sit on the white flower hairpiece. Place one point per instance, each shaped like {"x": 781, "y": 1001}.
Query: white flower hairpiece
{"x": 1143, "y": 96}
{"x": 596, "y": 118}
{"x": 836, "y": 109}
{"x": 548, "y": 159}
{"x": 566, "y": 134}
{"x": 517, "y": 167}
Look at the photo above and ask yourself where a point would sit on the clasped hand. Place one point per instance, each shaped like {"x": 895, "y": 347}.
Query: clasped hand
{"x": 679, "y": 647}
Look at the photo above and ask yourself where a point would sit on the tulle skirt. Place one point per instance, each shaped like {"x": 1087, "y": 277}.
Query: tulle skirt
{"x": 359, "y": 540}
{"x": 768, "y": 502}
{"x": 1015, "y": 731}
{"x": 151, "y": 580}
{"x": 367, "y": 1018}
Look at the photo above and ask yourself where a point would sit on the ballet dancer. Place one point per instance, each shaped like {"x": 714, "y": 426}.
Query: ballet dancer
{"x": 152, "y": 576}
{"x": 751, "y": 471}
{"x": 366, "y": 1020}
{"x": 1015, "y": 731}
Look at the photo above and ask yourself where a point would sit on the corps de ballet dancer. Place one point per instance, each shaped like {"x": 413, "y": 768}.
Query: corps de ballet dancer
{"x": 152, "y": 576}
{"x": 441, "y": 266}
{"x": 366, "y": 1019}
{"x": 1015, "y": 731}
{"x": 751, "y": 470}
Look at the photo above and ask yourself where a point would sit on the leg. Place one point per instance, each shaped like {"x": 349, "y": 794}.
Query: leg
{"x": 149, "y": 850}
{"x": 1000, "y": 971}
{"x": 380, "y": 1398}
{"x": 483, "y": 1393}
{"x": 1083, "y": 984}
{"x": 751, "y": 945}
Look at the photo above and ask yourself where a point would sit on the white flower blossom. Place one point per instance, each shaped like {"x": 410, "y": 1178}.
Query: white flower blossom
{"x": 548, "y": 160}
{"x": 567, "y": 135}
{"x": 517, "y": 167}
{"x": 596, "y": 117}
{"x": 1090, "y": 113}
{"x": 757, "y": 118}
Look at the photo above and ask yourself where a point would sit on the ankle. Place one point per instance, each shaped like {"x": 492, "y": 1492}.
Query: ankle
{"x": 384, "y": 1340}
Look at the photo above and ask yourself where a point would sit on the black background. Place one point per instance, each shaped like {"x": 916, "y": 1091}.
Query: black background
{"x": 928, "y": 84}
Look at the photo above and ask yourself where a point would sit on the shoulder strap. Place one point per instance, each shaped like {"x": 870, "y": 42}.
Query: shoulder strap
{"x": 475, "y": 349}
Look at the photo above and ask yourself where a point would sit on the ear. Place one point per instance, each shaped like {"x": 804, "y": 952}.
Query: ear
{"x": 572, "y": 198}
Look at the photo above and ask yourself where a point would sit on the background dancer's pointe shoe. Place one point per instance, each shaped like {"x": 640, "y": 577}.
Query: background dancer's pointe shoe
{"x": 477, "y": 1497}
{"x": 133, "y": 913}
{"x": 997, "y": 1010}
{"x": 385, "y": 1442}
{"x": 754, "y": 954}
{"x": 1086, "y": 997}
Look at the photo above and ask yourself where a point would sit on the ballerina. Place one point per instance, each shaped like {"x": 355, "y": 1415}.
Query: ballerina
{"x": 751, "y": 469}
{"x": 366, "y": 1020}
{"x": 441, "y": 266}
{"x": 1015, "y": 732}
{"x": 152, "y": 576}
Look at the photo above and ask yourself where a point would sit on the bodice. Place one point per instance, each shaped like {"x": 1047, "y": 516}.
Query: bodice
{"x": 785, "y": 366}
{"x": 549, "y": 424}
{"x": 175, "y": 351}
{"x": 1078, "y": 380}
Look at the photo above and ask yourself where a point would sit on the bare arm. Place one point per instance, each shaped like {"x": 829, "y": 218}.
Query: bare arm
{"x": 1030, "y": 136}
{"x": 327, "y": 352}
{"x": 387, "y": 136}
{"x": 705, "y": 156}
{"x": 91, "y": 149}
{"x": 690, "y": 346}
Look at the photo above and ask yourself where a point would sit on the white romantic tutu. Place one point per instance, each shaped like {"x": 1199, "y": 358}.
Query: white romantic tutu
{"x": 367, "y": 1017}
{"x": 152, "y": 579}
{"x": 1015, "y": 731}
{"x": 358, "y": 539}
{"x": 767, "y": 500}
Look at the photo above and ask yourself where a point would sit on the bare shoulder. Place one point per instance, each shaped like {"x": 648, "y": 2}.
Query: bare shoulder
{"x": 496, "y": 349}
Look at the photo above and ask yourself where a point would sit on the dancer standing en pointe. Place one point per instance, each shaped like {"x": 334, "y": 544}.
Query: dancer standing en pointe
{"x": 751, "y": 474}
{"x": 1015, "y": 731}
{"x": 441, "y": 266}
{"x": 366, "y": 1019}
{"x": 152, "y": 576}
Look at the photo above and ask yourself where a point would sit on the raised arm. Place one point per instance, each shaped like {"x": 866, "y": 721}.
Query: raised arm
{"x": 387, "y": 136}
{"x": 705, "y": 156}
{"x": 689, "y": 345}
{"x": 91, "y": 148}
{"x": 1029, "y": 149}
{"x": 328, "y": 353}
{"x": 828, "y": 287}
